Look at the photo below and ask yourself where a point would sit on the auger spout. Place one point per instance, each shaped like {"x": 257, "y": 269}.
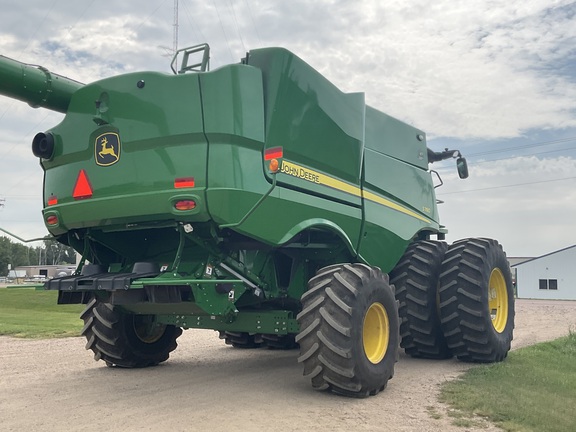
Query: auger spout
{"x": 36, "y": 85}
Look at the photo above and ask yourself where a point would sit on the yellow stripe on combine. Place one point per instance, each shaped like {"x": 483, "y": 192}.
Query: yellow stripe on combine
{"x": 380, "y": 200}
{"x": 312, "y": 176}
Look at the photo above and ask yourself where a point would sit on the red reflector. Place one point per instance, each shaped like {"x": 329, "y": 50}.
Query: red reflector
{"x": 52, "y": 220}
{"x": 273, "y": 153}
{"x": 82, "y": 188}
{"x": 185, "y": 205}
{"x": 184, "y": 182}
{"x": 52, "y": 200}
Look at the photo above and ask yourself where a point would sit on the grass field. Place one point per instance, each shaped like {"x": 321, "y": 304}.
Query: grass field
{"x": 34, "y": 314}
{"x": 533, "y": 390}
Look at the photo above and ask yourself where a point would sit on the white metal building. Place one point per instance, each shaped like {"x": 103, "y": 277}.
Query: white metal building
{"x": 550, "y": 276}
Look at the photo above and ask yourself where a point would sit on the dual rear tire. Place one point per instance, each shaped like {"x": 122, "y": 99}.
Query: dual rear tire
{"x": 477, "y": 301}
{"x": 416, "y": 279}
{"x": 455, "y": 301}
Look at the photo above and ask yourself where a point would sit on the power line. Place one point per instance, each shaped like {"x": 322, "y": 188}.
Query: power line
{"x": 39, "y": 27}
{"x": 507, "y": 186}
{"x": 223, "y": 30}
{"x": 505, "y": 149}
{"x": 445, "y": 167}
{"x": 145, "y": 20}
{"x": 193, "y": 23}
{"x": 524, "y": 155}
{"x": 253, "y": 22}
{"x": 231, "y": 7}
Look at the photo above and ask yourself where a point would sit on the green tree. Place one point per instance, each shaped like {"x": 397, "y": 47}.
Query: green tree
{"x": 13, "y": 254}
{"x": 5, "y": 255}
{"x": 17, "y": 254}
{"x": 57, "y": 253}
{"x": 20, "y": 255}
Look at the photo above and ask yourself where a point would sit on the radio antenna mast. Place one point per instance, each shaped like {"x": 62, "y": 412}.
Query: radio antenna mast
{"x": 171, "y": 52}
{"x": 175, "y": 29}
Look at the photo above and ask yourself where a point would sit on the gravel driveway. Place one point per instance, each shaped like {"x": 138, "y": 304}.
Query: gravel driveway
{"x": 54, "y": 385}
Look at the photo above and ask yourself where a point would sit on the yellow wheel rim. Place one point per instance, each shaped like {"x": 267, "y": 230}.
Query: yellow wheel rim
{"x": 375, "y": 333}
{"x": 498, "y": 300}
{"x": 147, "y": 329}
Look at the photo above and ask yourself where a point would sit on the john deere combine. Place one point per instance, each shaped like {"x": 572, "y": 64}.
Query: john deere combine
{"x": 260, "y": 201}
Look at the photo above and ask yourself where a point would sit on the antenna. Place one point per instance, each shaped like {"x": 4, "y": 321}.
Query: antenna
{"x": 171, "y": 52}
{"x": 175, "y": 30}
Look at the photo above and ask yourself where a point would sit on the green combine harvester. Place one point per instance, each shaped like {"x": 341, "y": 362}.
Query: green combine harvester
{"x": 260, "y": 201}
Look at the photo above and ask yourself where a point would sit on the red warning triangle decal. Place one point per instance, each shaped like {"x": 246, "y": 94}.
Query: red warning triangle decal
{"x": 82, "y": 188}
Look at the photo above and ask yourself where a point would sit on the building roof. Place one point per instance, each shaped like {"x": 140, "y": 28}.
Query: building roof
{"x": 548, "y": 254}
{"x": 517, "y": 260}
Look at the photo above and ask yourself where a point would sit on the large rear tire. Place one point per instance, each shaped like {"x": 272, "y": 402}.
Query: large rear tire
{"x": 477, "y": 300}
{"x": 349, "y": 330}
{"x": 415, "y": 278}
{"x": 126, "y": 340}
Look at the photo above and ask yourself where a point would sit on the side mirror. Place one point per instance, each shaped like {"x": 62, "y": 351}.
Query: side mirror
{"x": 462, "y": 167}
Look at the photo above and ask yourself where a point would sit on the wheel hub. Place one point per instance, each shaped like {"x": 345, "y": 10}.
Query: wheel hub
{"x": 498, "y": 300}
{"x": 147, "y": 329}
{"x": 375, "y": 333}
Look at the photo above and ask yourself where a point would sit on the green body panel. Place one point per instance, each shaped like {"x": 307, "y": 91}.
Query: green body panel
{"x": 155, "y": 149}
{"x": 352, "y": 185}
{"x": 317, "y": 125}
{"x": 396, "y": 139}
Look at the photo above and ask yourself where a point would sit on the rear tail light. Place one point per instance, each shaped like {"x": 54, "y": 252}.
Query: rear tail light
{"x": 184, "y": 182}
{"x": 52, "y": 220}
{"x": 273, "y": 153}
{"x": 183, "y": 205}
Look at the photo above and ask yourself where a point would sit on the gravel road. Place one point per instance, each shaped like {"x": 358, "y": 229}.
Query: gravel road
{"x": 54, "y": 385}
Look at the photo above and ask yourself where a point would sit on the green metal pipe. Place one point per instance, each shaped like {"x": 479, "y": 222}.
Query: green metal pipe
{"x": 36, "y": 85}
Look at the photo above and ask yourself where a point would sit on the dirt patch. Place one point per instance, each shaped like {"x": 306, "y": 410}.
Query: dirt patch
{"x": 54, "y": 385}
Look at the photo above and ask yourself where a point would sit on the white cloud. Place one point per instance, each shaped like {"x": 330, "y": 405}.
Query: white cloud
{"x": 527, "y": 203}
{"x": 475, "y": 70}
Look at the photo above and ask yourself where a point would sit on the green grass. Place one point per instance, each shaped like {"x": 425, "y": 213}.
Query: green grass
{"x": 28, "y": 313}
{"x": 533, "y": 390}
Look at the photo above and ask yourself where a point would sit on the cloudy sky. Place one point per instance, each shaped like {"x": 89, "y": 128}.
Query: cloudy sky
{"x": 495, "y": 79}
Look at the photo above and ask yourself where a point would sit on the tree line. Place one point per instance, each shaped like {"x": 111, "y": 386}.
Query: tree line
{"x": 49, "y": 253}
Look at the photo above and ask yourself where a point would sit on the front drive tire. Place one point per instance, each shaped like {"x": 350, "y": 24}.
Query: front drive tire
{"x": 242, "y": 340}
{"x": 349, "y": 330}
{"x": 477, "y": 300}
{"x": 126, "y": 340}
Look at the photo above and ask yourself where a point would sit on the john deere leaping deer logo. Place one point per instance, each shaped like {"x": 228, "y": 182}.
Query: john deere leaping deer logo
{"x": 107, "y": 149}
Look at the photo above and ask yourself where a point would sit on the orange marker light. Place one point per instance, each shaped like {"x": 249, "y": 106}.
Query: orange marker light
{"x": 274, "y": 165}
{"x": 52, "y": 200}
